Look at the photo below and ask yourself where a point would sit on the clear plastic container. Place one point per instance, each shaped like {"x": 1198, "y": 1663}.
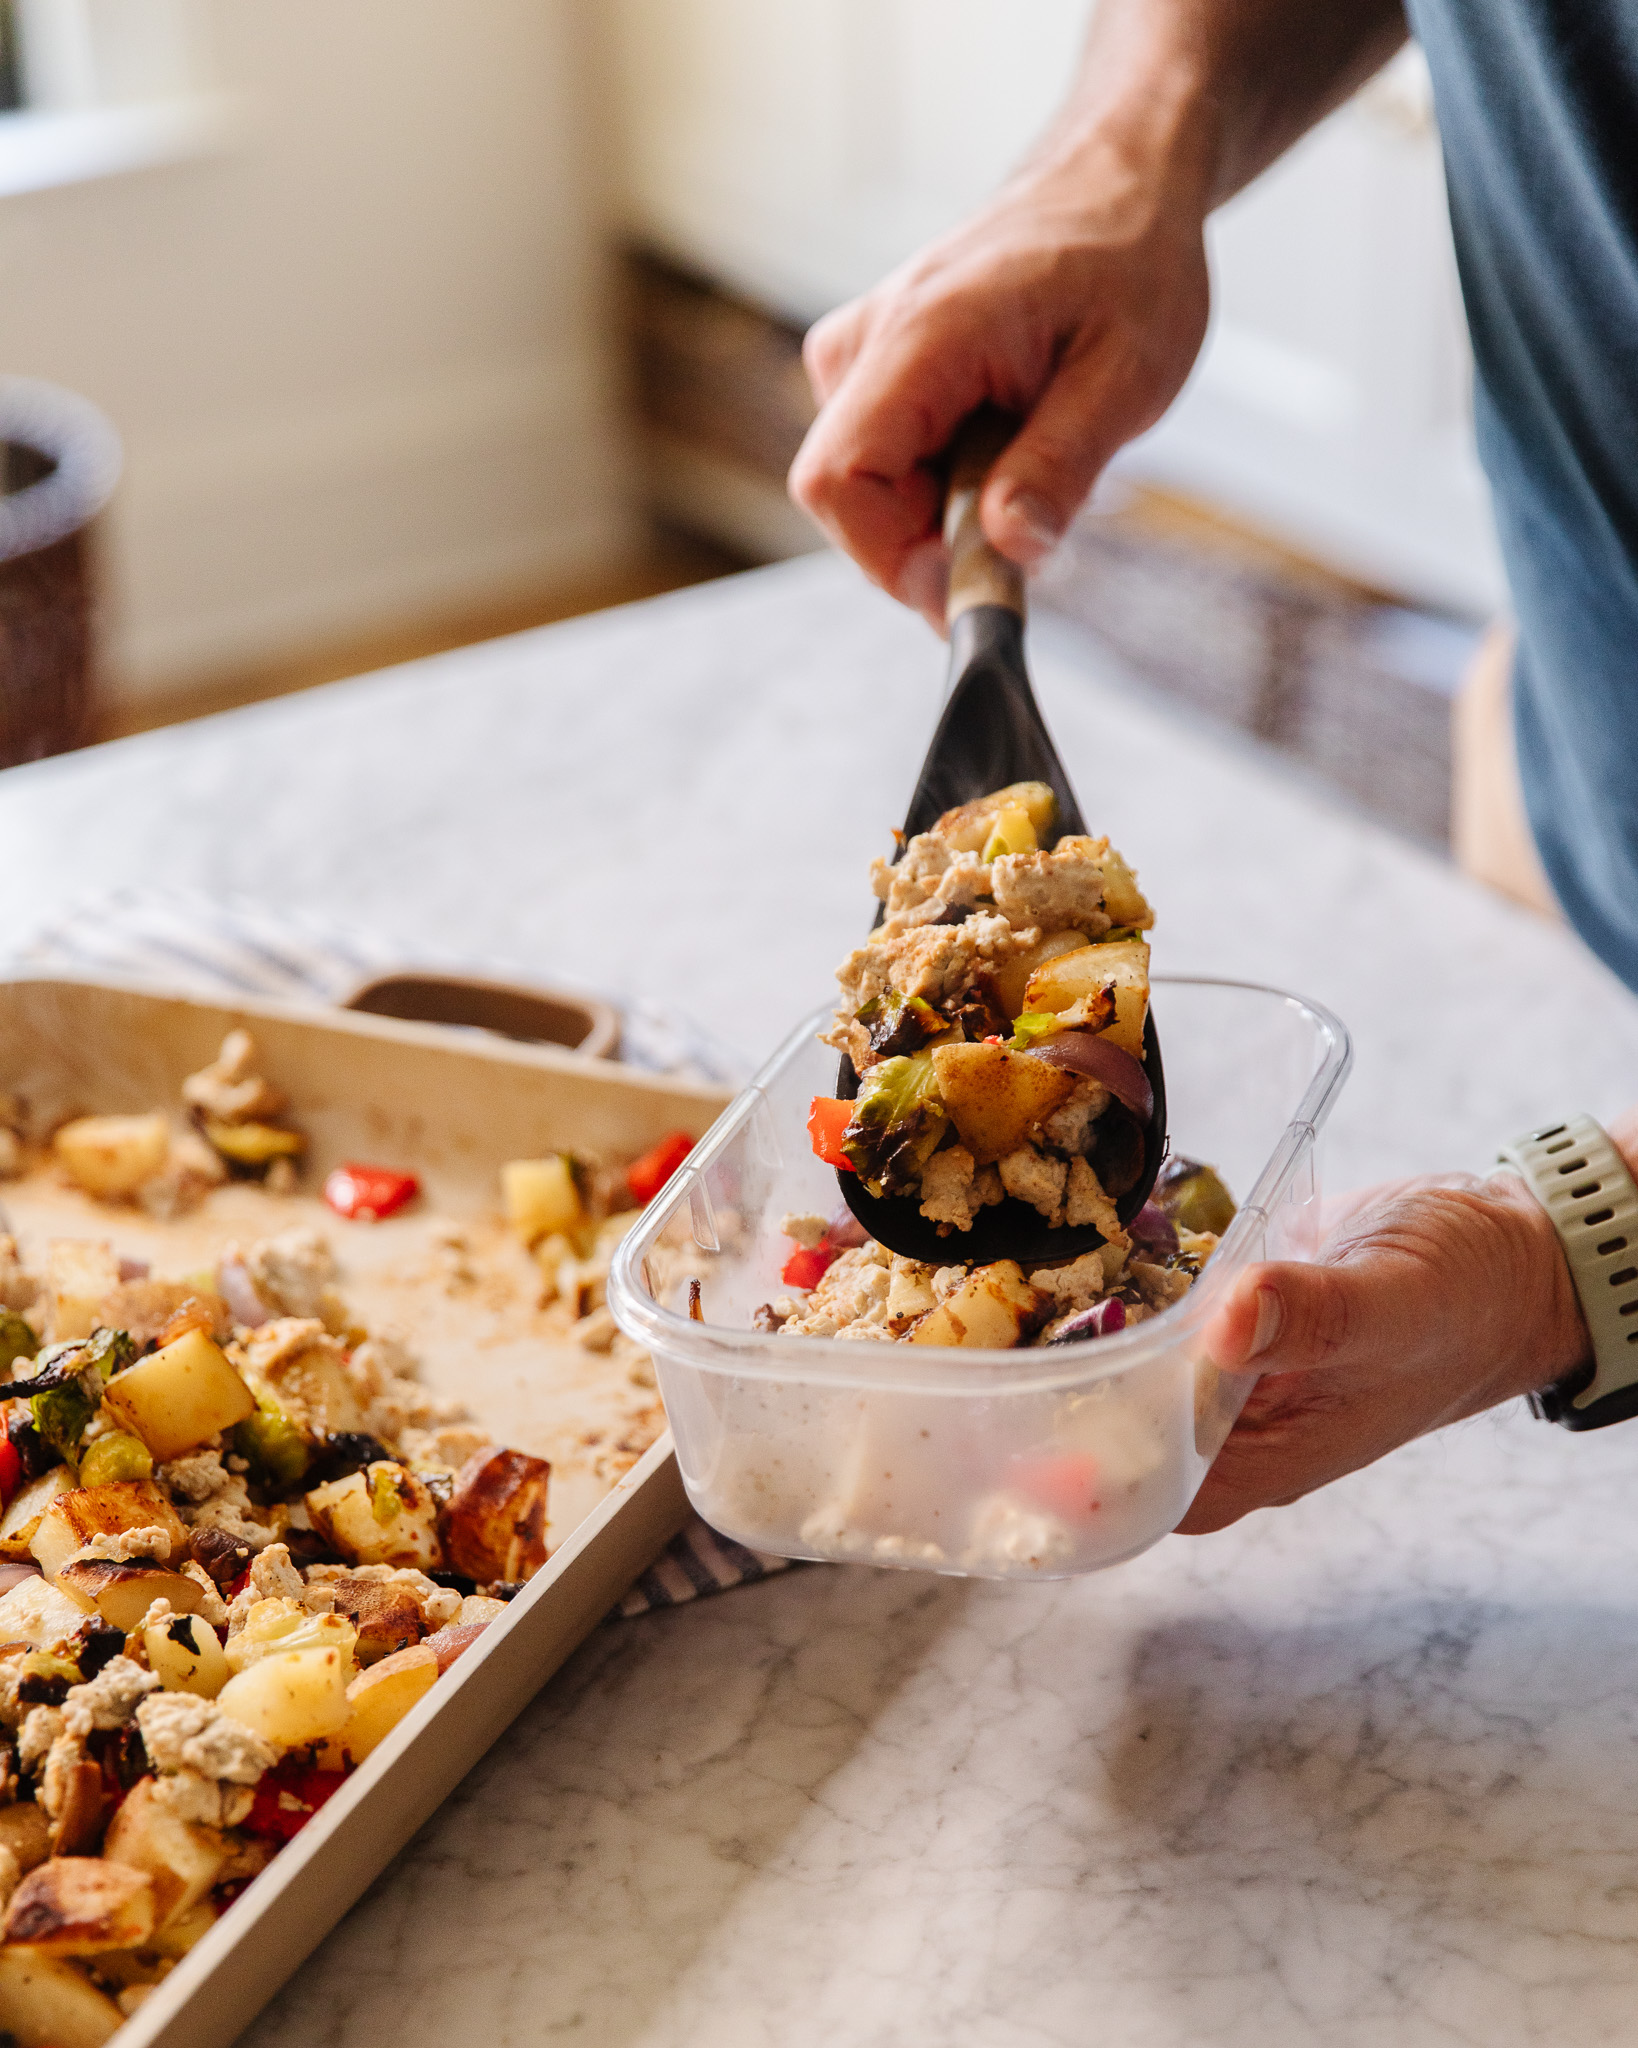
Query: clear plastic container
{"x": 990, "y": 1464}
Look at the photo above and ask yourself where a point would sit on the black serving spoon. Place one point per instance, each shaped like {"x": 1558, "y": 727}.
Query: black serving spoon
{"x": 991, "y": 734}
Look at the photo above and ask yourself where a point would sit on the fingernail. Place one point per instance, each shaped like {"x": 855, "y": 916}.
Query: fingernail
{"x": 924, "y": 582}
{"x": 1042, "y": 527}
{"x": 1270, "y": 1315}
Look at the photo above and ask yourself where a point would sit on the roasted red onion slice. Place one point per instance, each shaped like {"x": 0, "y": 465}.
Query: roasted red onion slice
{"x": 13, "y": 1573}
{"x": 1078, "y": 1052}
{"x": 238, "y": 1290}
{"x": 1102, "y": 1319}
{"x": 845, "y": 1231}
{"x": 1154, "y": 1230}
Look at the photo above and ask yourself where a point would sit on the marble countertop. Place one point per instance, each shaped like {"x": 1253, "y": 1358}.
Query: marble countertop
{"x": 1362, "y": 1771}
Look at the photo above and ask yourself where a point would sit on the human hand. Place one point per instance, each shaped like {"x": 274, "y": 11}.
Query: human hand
{"x": 1077, "y": 299}
{"x": 1431, "y": 1300}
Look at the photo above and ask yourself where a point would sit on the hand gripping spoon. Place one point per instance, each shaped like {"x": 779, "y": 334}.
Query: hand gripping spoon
{"x": 991, "y": 734}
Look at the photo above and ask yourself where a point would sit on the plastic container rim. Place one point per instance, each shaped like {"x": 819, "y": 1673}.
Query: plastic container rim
{"x": 714, "y": 1347}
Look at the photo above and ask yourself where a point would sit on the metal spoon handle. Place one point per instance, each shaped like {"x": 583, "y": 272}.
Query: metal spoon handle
{"x": 979, "y": 573}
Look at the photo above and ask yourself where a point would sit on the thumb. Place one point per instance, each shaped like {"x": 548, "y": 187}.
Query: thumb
{"x": 1294, "y": 1318}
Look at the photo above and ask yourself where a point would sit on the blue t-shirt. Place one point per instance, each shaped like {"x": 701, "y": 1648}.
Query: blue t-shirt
{"x": 1538, "y": 107}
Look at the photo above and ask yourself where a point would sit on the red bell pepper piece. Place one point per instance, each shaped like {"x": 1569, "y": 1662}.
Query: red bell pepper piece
{"x": 827, "y": 1120}
{"x": 288, "y": 1797}
{"x": 646, "y": 1176}
{"x": 1065, "y": 1483}
{"x": 806, "y": 1265}
{"x": 11, "y": 1470}
{"x": 369, "y": 1192}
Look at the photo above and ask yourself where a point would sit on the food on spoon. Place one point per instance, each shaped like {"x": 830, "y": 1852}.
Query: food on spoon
{"x": 993, "y": 1019}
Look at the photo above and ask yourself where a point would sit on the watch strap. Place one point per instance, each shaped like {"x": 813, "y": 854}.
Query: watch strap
{"x": 1583, "y": 1184}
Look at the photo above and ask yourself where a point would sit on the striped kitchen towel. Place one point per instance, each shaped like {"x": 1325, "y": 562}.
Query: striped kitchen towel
{"x": 189, "y": 943}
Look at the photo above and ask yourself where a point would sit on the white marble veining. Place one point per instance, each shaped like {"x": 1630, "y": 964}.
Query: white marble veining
{"x": 1362, "y": 1772}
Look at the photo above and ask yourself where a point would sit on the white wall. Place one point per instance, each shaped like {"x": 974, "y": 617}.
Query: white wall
{"x": 355, "y": 352}
{"x": 800, "y": 148}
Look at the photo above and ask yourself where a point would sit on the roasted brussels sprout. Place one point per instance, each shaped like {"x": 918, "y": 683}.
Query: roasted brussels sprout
{"x": 1191, "y": 1194}
{"x": 898, "y": 1119}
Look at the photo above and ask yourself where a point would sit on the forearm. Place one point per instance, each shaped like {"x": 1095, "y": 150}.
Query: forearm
{"x": 1215, "y": 90}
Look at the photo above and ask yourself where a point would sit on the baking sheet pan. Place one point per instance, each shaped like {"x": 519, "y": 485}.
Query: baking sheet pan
{"x": 450, "y": 1107}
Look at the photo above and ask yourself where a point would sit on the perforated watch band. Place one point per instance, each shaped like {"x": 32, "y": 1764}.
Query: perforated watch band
{"x": 1583, "y": 1184}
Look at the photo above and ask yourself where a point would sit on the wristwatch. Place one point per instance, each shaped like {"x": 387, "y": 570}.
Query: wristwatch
{"x": 1583, "y": 1183}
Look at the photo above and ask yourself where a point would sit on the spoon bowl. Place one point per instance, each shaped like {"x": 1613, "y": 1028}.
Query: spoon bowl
{"x": 991, "y": 734}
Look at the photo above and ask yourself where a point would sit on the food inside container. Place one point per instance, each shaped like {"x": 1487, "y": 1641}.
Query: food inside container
{"x": 240, "y": 1539}
{"x": 995, "y": 1458}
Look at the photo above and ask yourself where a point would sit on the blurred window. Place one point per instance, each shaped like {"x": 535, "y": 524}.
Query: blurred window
{"x": 11, "y": 70}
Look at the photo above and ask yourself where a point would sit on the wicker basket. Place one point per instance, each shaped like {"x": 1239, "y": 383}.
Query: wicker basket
{"x": 59, "y": 462}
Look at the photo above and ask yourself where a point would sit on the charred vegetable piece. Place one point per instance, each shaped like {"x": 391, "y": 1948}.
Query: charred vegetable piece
{"x": 897, "y": 1025}
{"x": 275, "y": 1448}
{"x": 382, "y": 1515}
{"x": 646, "y": 1176}
{"x": 898, "y": 1120}
{"x": 1193, "y": 1197}
{"x": 992, "y": 1307}
{"x": 968, "y": 826}
{"x": 494, "y": 1526}
{"x": 72, "y": 1519}
{"x": 76, "y": 1905}
{"x": 378, "y": 1699}
{"x": 33, "y": 1452}
{"x": 369, "y": 1193}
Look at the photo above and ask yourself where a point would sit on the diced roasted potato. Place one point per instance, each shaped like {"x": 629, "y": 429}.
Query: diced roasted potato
{"x": 22, "y": 1517}
{"x": 541, "y": 1196}
{"x": 968, "y": 826}
{"x": 185, "y": 1653}
{"x": 1012, "y": 978}
{"x": 382, "y": 1515}
{"x": 377, "y": 1700}
{"x": 995, "y": 1097}
{"x": 122, "y": 1593}
{"x": 178, "y": 1397}
{"x": 75, "y": 1516}
{"x": 79, "y": 1277}
{"x": 1122, "y": 965}
{"x": 494, "y": 1526}
{"x": 47, "y": 2003}
{"x": 988, "y": 1310}
{"x": 387, "y": 1617}
{"x": 112, "y": 1156}
{"x": 25, "y": 1829}
{"x": 76, "y": 1905}
{"x": 180, "y": 1859}
{"x": 295, "y": 1697}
